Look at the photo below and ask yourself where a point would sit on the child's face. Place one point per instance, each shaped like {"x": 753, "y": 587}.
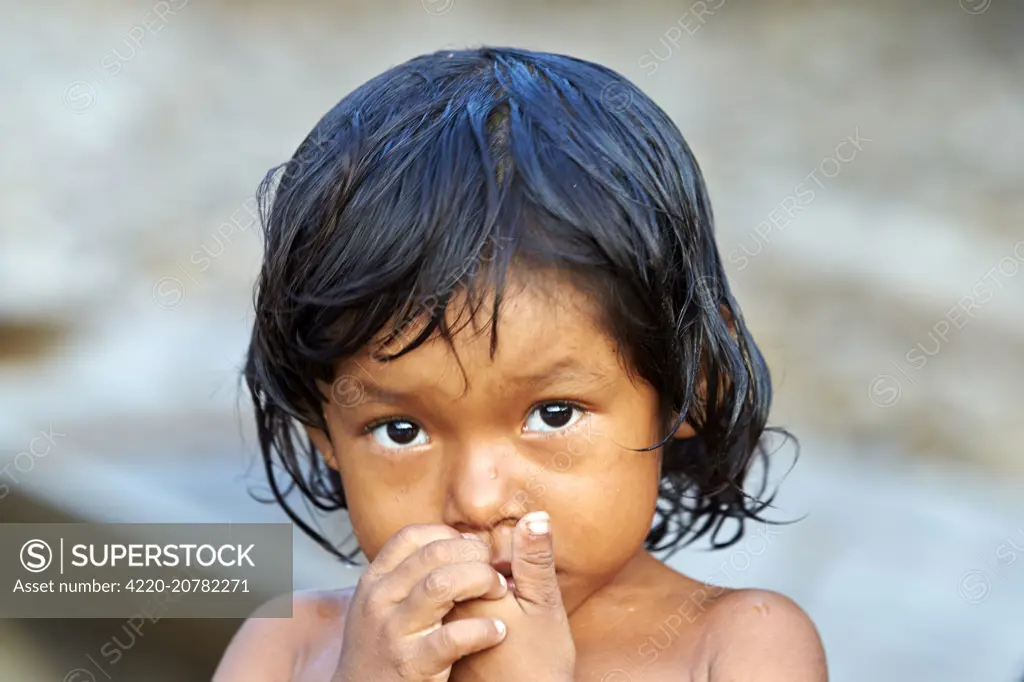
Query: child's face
{"x": 478, "y": 455}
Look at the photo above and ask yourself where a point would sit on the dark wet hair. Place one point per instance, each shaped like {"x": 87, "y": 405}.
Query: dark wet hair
{"x": 435, "y": 177}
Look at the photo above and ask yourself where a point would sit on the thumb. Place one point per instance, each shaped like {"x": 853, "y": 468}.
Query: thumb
{"x": 533, "y": 561}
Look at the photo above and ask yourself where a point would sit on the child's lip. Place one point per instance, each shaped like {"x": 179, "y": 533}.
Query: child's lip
{"x": 503, "y": 567}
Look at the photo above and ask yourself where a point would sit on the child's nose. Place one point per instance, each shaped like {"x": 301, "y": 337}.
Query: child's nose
{"x": 482, "y": 485}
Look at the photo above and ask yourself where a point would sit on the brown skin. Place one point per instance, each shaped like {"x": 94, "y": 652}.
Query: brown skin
{"x": 473, "y": 454}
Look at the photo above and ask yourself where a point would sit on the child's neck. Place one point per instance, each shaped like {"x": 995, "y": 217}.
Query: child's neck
{"x": 640, "y": 574}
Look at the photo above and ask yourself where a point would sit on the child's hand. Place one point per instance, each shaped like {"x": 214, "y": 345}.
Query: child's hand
{"x": 539, "y": 645}
{"x": 393, "y": 629}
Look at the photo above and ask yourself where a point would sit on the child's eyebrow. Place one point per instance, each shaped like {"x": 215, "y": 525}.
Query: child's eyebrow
{"x": 565, "y": 371}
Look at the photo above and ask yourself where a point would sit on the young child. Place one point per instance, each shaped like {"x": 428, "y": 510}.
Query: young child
{"x": 493, "y": 325}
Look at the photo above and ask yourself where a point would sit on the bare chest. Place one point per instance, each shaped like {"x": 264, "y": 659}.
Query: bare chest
{"x": 630, "y": 640}
{"x": 646, "y": 645}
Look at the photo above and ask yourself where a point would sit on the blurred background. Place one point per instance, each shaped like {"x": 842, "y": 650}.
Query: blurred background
{"x": 864, "y": 161}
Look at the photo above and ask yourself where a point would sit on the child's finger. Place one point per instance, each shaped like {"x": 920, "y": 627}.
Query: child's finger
{"x": 437, "y": 651}
{"x": 406, "y": 542}
{"x": 533, "y": 561}
{"x": 439, "y": 553}
{"x": 436, "y": 594}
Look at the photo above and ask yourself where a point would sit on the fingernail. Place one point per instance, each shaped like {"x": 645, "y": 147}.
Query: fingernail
{"x": 501, "y": 628}
{"x": 504, "y": 583}
{"x": 538, "y": 523}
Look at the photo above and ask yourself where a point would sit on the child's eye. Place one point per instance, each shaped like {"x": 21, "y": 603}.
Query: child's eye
{"x": 398, "y": 433}
{"x": 554, "y": 417}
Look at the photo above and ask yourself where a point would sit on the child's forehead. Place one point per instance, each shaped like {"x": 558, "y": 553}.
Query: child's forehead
{"x": 540, "y": 315}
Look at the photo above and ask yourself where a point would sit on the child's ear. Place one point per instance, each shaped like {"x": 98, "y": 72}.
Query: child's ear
{"x": 323, "y": 444}
{"x": 730, "y": 322}
{"x": 685, "y": 431}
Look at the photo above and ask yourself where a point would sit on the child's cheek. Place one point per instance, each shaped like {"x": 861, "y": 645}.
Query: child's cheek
{"x": 594, "y": 546}
{"x": 377, "y": 512}
{"x": 603, "y": 513}
{"x": 368, "y": 533}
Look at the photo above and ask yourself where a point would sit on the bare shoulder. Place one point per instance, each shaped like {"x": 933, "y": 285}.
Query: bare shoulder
{"x": 762, "y": 636}
{"x": 268, "y": 648}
